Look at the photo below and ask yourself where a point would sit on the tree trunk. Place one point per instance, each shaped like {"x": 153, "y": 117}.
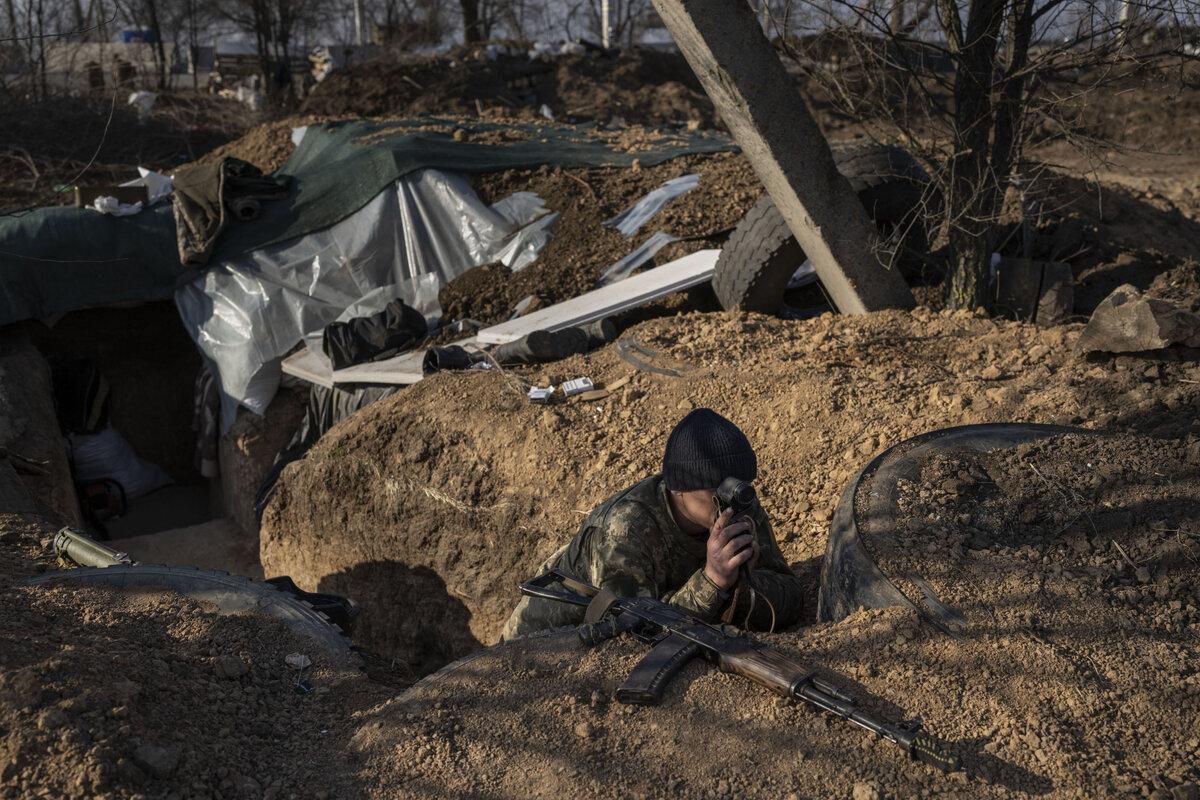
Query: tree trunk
{"x": 160, "y": 54}
{"x": 470, "y": 17}
{"x": 972, "y": 202}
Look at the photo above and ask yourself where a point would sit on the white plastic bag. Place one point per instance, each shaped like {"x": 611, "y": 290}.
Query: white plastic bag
{"x": 107, "y": 456}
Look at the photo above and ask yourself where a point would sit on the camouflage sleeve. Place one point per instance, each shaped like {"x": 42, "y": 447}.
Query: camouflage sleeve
{"x": 776, "y": 586}
{"x": 700, "y": 597}
{"x": 620, "y": 557}
{"x": 629, "y": 559}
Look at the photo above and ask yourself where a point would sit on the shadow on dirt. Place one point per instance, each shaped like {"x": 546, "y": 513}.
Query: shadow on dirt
{"x": 408, "y": 616}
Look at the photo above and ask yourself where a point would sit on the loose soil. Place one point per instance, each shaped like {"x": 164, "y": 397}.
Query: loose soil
{"x": 640, "y": 86}
{"x": 107, "y": 693}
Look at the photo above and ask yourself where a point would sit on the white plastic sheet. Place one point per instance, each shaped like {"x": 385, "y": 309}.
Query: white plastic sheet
{"x": 246, "y": 313}
{"x": 646, "y": 251}
{"x": 634, "y": 217}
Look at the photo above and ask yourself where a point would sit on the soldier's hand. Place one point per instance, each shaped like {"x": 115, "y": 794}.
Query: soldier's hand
{"x": 729, "y": 547}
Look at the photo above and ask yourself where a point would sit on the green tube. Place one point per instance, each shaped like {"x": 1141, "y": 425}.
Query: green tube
{"x": 78, "y": 548}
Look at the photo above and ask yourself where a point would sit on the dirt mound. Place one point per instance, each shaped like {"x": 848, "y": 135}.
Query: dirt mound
{"x": 582, "y": 248}
{"x": 267, "y": 146}
{"x": 461, "y": 487}
{"x": 647, "y": 87}
{"x": 95, "y": 684}
{"x": 1066, "y": 708}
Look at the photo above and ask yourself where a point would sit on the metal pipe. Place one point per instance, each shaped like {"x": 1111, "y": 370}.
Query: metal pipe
{"x": 78, "y": 548}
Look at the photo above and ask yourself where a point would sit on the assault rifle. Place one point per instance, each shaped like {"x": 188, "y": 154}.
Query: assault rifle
{"x": 677, "y": 638}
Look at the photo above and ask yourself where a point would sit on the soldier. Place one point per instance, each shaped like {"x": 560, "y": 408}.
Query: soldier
{"x": 663, "y": 537}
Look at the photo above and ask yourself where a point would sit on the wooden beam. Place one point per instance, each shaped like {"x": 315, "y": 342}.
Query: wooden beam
{"x": 759, "y": 102}
{"x": 636, "y": 290}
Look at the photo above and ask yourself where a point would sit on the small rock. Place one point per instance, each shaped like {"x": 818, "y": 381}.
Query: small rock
{"x": 51, "y": 719}
{"x": 1142, "y": 575}
{"x": 158, "y": 761}
{"x": 584, "y": 730}
{"x": 229, "y": 666}
{"x": 297, "y": 660}
{"x": 991, "y": 373}
{"x": 1186, "y": 791}
{"x": 865, "y": 791}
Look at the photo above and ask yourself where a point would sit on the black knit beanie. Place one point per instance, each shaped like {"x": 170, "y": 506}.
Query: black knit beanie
{"x": 705, "y": 449}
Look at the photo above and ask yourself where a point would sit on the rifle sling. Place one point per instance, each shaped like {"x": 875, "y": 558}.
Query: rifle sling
{"x": 645, "y": 685}
{"x": 601, "y": 603}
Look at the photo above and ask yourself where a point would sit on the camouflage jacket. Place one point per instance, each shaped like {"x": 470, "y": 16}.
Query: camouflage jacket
{"x": 632, "y": 545}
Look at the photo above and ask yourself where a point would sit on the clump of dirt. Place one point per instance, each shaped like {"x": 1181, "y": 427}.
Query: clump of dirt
{"x": 461, "y": 487}
{"x": 267, "y": 146}
{"x": 582, "y": 248}
{"x": 642, "y": 86}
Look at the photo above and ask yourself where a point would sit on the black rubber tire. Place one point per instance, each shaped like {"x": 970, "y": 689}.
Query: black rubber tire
{"x": 230, "y": 593}
{"x": 761, "y": 254}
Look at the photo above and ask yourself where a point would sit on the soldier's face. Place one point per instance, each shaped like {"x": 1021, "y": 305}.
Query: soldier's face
{"x": 698, "y": 506}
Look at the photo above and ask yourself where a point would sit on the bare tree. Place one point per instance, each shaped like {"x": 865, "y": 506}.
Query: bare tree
{"x": 964, "y": 83}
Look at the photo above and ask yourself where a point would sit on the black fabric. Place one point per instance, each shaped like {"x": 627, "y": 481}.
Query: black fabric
{"x": 360, "y": 340}
{"x": 326, "y": 408}
{"x": 452, "y": 356}
{"x": 705, "y": 449}
{"x": 80, "y": 394}
{"x": 540, "y": 347}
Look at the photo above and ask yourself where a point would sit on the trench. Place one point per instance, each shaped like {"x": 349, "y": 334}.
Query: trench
{"x": 128, "y": 375}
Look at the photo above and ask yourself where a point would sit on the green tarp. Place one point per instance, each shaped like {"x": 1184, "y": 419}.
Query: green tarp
{"x": 55, "y": 260}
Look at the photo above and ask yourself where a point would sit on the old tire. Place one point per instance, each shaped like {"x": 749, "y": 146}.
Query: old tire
{"x": 761, "y": 255}
{"x": 230, "y": 593}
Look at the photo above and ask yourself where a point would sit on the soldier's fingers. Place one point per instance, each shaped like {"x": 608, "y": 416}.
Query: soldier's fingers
{"x": 738, "y": 543}
{"x": 739, "y": 528}
{"x": 719, "y": 530}
{"x": 741, "y": 558}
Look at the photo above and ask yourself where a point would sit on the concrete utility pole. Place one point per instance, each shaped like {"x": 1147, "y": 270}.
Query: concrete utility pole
{"x": 360, "y": 23}
{"x": 756, "y": 98}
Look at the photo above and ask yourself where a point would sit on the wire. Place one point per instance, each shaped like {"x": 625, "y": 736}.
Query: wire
{"x": 103, "y": 138}
{"x": 97, "y": 26}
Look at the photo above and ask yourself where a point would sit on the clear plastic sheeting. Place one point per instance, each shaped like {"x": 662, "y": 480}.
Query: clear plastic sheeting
{"x": 631, "y": 219}
{"x": 246, "y": 313}
{"x": 533, "y": 226}
{"x": 646, "y": 251}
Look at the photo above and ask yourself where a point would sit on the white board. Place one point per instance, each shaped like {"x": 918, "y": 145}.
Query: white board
{"x": 314, "y": 367}
{"x": 636, "y": 290}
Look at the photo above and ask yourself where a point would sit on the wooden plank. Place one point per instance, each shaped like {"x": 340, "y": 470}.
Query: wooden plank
{"x": 682, "y": 273}
{"x": 314, "y": 367}
{"x": 636, "y": 290}
{"x": 308, "y": 365}
{"x": 742, "y": 74}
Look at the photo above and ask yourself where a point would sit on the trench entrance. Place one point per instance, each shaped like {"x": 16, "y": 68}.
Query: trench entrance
{"x": 126, "y": 395}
